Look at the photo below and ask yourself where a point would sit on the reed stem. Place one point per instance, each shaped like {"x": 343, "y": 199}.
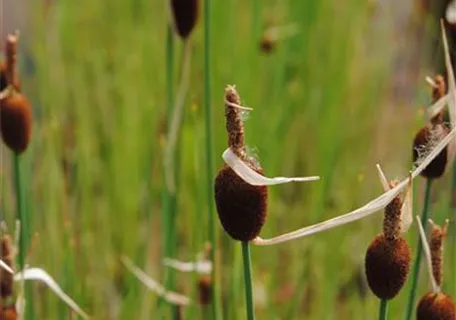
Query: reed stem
{"x": 416, "y": 266}
{"x": 248, "y": 280}
{"x": 215, "y": 305}
{"x": 383, "y": 313}
{"x": 24, "y": 230}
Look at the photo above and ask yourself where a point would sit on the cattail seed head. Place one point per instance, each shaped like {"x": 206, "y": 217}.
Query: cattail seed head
{"x": 185, "y": 16}
{"x": 241, "y": 207}
{"x": 436, "y": 306}
{"x": 392, "y": 218}
{"x": 436, "y": 245}
{"x": 424, "y": 141}
{"x": 7, "y": 256}
{"x": 204, "y": 290}
{"x": 8, "y": 313}
{"x": 438, "y": 91}
{"x": 387, "y": 265}
{"x": 267, "y": 44}
{"x": 16, "y": 121}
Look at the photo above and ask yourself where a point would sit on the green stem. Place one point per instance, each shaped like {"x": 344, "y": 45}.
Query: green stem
{"x": 383, "y": 309}
{"x": 248, "y": 280}
{"x": 416, "y": 267}
{"x": 216, "y": 312}
{"x": 23, "y": 234}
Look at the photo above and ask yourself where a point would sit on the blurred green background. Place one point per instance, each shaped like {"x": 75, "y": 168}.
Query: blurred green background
{"x": 344, "y": 93}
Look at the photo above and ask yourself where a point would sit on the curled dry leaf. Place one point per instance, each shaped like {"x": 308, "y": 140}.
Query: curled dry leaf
{"x": 41, "y": 275}
{"x": 252, "y": 177}
{"x": 151, "y": 284}
{"x": 427, "y": 254}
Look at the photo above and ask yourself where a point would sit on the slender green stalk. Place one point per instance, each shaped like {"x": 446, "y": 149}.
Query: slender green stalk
{"x": 248, "y": 280}
{"x": 216, "y": 311}
{"x": 168, "y": 199}
{"x": 416, "y": 266}
{"x": 24, "y": 230}
{"x": 383, "y": 312}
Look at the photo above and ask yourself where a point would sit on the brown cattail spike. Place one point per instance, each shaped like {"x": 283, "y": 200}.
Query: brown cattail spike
{"x": 8, "y": 313}
{"x": 11, "y": 57}
{"x": 436, "y": 306}
{"x": 437, "y": 236}
{"x": 16, "y": 121}
{"x": 424, "y": 141}
{"x": 387, "y": 266}
{"x": 185, "y": 16}
{"x": 3, "y": 78}
{"x": 241, "y": 207}
{"x": 392, "y": 218}
{"x": 234, "y": 123}
{"x": 7, "y": 256}
{"x": 204, "y": 290}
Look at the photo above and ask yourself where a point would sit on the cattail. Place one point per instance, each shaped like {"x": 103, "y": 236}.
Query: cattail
{"x": 436, "y": 304}
{"x": 7, "y": 256}
{"x": 16, "y": 121}
{"x": 204, "y": 290}
{"x": 241, "y": 206}
{"x": 273, "y": 35}
{"x": 387, "y": 259}
{"x": 432, "y": 133}
{"x": 185, "y": 16}
{"x": 3, "y": 78}
{"x": 8, "y": 313}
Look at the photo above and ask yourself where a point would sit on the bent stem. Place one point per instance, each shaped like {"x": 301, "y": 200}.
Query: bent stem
{"x": 416, "y": 266}
{"x": 248, "y": 280}
{"x": 383, "y": 309}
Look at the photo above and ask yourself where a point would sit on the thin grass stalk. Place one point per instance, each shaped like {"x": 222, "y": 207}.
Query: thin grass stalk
{"x": 416, "y": 267}
{"x": 383, "y": 313}
{"x": 168, "y": 199}
{"x": 248, "y": 281}
{"x": 215, "y": 305}
{"x": 24, "y": 230}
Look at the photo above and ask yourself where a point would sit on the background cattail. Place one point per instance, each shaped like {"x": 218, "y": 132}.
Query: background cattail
{"x": 436, "y": 306}
{"x": 185, "y": 16}
{"x": 204, "y": 290}
{"x": 7, "y": 256}
{"x": 16, "y": 121}
{"x": 431, "y": 133}
{"x": 241, "y": 207}
{"x": 8, "y": 313}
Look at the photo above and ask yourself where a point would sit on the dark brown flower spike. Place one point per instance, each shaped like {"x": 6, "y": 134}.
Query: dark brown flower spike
{"x": 16, "y": 121}
{"x": 241, "y": 192}
{"x": 273, "y": 35}
{"x": 435, "y": 304}
{"x": 8, "y": 312}
{"x": 433, "y": 132}
{"x": 15, "y": 110}
{"x": 185, "y": 15}
{"x": 387, "y": 259}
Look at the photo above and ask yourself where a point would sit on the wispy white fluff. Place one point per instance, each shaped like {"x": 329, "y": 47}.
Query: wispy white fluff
{"x": 151, "y": 284}
{"x": 427, "y": 254}
{"x": 254, "y": 178}
{"x": 6, "y": 267}
{"x": 199, "y": 266}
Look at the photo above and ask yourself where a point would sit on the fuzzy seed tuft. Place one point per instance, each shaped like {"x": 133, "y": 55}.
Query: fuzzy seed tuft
{"x": 241, "y": 207}
{"x": 185, "y": 15}
{"x": 387, "y": 266}
{"x": 424, "y": 141}
{"x": 436, "y": 306}
{"x": 16, "y": 122}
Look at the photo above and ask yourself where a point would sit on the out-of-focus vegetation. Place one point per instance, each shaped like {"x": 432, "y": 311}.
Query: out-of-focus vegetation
{"x": 323, "y": 105}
